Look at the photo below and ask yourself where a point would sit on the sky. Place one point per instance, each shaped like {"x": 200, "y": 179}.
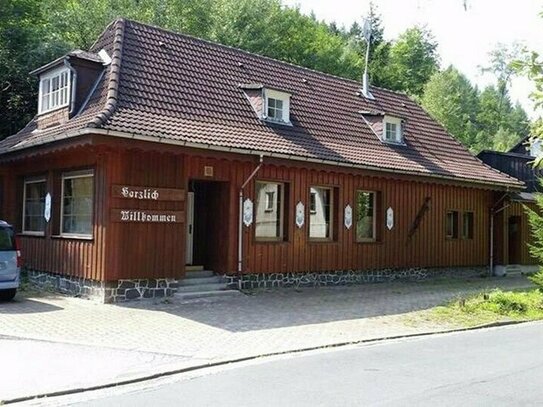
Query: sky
{"x": 465, "y": 35}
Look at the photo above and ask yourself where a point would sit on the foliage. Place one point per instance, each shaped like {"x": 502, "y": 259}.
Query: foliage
{"x": 535, "y": 219}
{"x": 537, "y": 279}
{"x": 451, "y": 99}
{"x": 413, "y": 59}
{"x": 480, "y": 120}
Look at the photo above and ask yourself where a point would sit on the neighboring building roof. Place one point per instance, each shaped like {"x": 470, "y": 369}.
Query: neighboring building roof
{"x": 523, "y": 197}
{"x": 175, "y": 88}
{"x": 518, "y": 165}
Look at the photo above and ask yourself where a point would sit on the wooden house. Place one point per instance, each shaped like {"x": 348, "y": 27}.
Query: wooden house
{"x": 154, "y": 150}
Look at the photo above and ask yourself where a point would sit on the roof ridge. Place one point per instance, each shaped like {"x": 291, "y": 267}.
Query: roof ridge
{"x": 115, "y": 72}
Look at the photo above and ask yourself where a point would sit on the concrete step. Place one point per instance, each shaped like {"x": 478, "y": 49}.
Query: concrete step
{"x": 202, "y": 287}
{"x": 205, "y": 294}
{"x": 194, "y": 268}
{"x": 198, "y": 274}
{"x": 202, "y": 280}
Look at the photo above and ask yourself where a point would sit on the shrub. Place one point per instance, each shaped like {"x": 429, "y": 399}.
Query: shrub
{"x": 537, "y": 279}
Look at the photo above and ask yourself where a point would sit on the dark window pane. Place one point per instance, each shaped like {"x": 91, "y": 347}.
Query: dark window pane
{"x": 365, "y": 216}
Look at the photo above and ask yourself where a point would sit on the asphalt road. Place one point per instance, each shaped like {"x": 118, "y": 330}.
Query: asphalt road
{"x": 498, "y": 367}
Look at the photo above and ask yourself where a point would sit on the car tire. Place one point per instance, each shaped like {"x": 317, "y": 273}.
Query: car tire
{"x": 7, "y": 295}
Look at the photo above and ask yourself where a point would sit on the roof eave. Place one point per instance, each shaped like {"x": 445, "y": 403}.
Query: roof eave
{"x": 519, "y": 186}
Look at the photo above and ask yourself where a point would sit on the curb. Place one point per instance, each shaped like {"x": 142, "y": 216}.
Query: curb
{"x": 248, "y": 358}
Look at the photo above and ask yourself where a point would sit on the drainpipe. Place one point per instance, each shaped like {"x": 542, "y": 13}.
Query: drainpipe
{"x": 494, "y": 212}
{"x": 240, "y": 226}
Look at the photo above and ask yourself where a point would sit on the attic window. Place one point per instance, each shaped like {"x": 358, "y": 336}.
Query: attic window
{"x": 392, "y": 130}
{"x": 54, "y": 90}
{"x": 277, "y": 106}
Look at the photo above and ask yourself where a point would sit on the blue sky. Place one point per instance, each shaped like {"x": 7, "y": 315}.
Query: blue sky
{"x": 465, "y": 37}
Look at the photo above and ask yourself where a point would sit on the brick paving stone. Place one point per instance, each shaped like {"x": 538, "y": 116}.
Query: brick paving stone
{"x": 259, "y": 323}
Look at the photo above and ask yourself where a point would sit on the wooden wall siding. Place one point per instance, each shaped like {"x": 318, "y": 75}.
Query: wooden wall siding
{"x": 132, "y": 250}
{"x": 427, "y": 247}
{"x": 139, "y": 250}
{"x": 52, "y": 253}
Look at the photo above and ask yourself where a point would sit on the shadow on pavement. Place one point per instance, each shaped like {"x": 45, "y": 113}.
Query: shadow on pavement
{"x": 284, "y": 308}
{"x": 22, "y": 305}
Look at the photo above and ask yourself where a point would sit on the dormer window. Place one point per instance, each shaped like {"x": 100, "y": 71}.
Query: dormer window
{"x": 277, "y": 106}
{"x": 55, "y": 90}
{"x": 275, "y": 109}
{"x": 392, "y": 130}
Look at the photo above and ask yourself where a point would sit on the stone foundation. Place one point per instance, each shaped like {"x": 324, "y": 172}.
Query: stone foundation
{"x": 348, "y": 277}
{"x": 106, "y": 292}
{"x": 129, "y": 290}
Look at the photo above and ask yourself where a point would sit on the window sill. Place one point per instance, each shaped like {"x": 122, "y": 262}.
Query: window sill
{"x": 32, "y": 234}
{"x": 276, "y": 121}
{"x": 394, "y": 143}
{"x": 324, "y": 240}
{"x": 365, "y": 241}
{"x": 73, "y": 237}
{"x": 268, "y": 241}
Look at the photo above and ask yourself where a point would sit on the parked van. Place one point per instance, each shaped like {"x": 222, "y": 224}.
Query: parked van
{"x": 10, "y": 262}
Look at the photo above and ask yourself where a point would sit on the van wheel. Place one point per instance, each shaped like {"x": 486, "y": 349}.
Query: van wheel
{"x": 7, "y": 295}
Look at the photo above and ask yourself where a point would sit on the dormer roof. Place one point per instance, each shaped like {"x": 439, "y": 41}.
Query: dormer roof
{"x": 178, "y": 89}
{"x": 78, "y": 54}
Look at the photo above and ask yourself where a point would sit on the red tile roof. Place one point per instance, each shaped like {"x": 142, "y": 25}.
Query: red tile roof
{"x": 183, "y": 89}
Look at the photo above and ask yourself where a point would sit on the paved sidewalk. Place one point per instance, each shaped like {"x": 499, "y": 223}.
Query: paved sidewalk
{"x": 59, "y": 343}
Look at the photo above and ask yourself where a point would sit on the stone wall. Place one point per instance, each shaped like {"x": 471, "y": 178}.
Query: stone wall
{"x": 129, "y": 290}
{"x": 347, "y": 277}
{"x": 106, "y": 292}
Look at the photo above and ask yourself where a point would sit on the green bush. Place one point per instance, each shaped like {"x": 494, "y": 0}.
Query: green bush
{"x": 537, "y": 279}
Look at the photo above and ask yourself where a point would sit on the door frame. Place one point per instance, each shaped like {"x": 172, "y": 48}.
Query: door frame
{"x": 189, "y": 239}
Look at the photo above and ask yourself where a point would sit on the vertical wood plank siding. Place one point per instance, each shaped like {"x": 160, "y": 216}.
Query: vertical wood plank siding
{"x": 52, "y": 253}
{"x": 135, "y": 250}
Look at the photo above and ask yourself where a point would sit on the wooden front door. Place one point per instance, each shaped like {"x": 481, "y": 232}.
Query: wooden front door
{"x": 514, "y": 239}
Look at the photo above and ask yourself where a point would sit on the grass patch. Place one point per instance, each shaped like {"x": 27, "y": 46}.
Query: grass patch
{"x": 492, "y": 306}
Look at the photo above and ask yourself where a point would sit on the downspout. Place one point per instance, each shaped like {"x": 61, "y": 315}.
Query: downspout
{"x": 494, "y": 212}
{"x": 240, "y": 226}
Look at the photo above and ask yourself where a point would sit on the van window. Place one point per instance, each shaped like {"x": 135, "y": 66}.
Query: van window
{"x": 7, "y": 239}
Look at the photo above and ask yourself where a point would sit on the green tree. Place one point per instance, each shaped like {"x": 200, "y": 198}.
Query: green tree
{"x": 451, "y": 99}
{"x": 495, "y": 113}
{"x": 412, "y": 60}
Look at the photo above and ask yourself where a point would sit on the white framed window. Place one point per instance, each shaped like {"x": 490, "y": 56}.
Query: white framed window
{"x": 269, "y": 211}
{"x": 34, "y": 192}
{"x": 365, "y": 216}
{"x": 77, "y": 204}
{"x": 392, "y": 130}
{"x": 55, "y": 90}
{"x": 277, "y": 106}
{"x": 320, "y": 220}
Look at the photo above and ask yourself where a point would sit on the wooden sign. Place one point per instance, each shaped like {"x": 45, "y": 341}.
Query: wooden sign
{"x": 146, "y": 216}
{"x": 147, "y": 193}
